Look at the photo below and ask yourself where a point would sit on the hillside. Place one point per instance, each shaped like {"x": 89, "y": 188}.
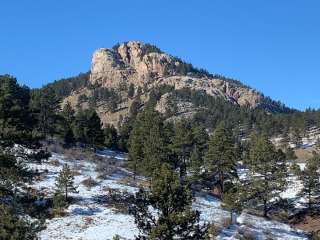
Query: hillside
{"x": 101, "y": 210}
{"x": 134, "y": 72}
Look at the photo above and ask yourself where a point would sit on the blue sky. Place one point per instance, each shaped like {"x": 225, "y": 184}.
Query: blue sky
{"x": 271, "y": 45}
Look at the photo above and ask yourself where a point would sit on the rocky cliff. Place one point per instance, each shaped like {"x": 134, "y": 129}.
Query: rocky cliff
{"x": 147, "y": 67}
{"x": 133, "y": 70}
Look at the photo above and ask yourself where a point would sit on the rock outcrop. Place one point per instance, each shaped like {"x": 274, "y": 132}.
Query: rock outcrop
{"x": 146, "y": 66}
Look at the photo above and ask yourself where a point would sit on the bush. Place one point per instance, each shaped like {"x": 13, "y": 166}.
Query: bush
{"x": 106, "y": 167}
{"x": 89, "y": 182}
{"x": 38, "y": 156}
{"x": 226, "y": 222}
{"x": 212, "y": 232}
{"x": 59, "y": 204}
{"x": 246, "y": 233}
{"x": 14, "y": 227}
{"x": 116, "y": 237}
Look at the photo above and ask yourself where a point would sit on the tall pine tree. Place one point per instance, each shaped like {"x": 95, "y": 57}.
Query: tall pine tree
{"x": 182, "y": 143}
{"x": 171, "y": 199}
{"x": 220, "y": 157}
{"x": 310, "y": 177}
{"x": 267, "y": 171}
{"x": 65, "y": 182}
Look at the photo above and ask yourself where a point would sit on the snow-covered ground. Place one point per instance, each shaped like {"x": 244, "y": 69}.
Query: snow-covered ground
{"x": 88, "y": 218}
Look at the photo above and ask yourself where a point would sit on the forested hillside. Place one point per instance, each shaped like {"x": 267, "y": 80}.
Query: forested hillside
{"x": 87, "y": 151}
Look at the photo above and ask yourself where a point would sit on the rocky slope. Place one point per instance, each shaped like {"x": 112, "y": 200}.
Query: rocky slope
{"x": 144, "y": 67}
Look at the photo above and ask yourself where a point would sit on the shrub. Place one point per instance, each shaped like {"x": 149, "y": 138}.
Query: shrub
{"x": 226, "y": 222}
{"x": 59, "y": 204}
{"x": 89, "y": 182}
{"x": 212, "y": 231}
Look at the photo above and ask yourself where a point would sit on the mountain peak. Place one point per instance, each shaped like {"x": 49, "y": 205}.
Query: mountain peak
{"x": 146, "y": 66}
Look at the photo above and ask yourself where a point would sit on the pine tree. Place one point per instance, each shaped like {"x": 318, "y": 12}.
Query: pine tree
{"x": 267, "y": 171}
{"x": 310, "y": 178}
{"x": 154, "y": 148}
{"x": 15, "y": 118}
{"x": 296, "y": 138}
{"x": 195, "y": 162}
{"x": 94, "y": 132}
{"x": 182, "y": 143}
{"x": 134, "y": 108}
{"x": 135, "y": 149}
{"x": 200, "y": 139}
{"x": 171, "y": 200}
{"x": 65, "y": 182}
{"x": 80, "y": 126}
{"x": 220, "y": 157}
{"x": 45, "y": 104}
{"x": 68, "y": 113}
{"x": 88, "y": 128}
{"x": 59, "y": 204}
{"x": 131, "y": 90}
{"x": 13, "y": 174}
{"x": 110, "y": 136}
{"x": 14, "y": 227}
{"x": 65, "y": 124}
{"x": 146, "y": 142}
{"x": 68, "y": 137}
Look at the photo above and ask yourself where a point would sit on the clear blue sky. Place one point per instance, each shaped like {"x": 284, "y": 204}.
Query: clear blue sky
{"x": 271, "y": 45}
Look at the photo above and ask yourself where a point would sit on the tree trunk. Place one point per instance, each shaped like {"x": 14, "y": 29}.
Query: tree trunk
{"x": 134, "y": 171}
{"x": 66, "y": 189}
{"x": 221, "y": 179}
{"x": 265, "y": 209}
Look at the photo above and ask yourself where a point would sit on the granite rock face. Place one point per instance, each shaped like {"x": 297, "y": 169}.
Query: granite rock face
{"x": 146, "y": 66}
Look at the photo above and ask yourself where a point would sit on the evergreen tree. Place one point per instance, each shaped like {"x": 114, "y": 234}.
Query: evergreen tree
{"x": 196, "y": 162}
{"x": 147, "y": 142}
{"x": 110, "y": 136}
{"x": 310, "y": 177}
{"x": 45, "y": 104}
{"x": 94, "y": 132}
{"x": 200, "y": 139}
{"x": 65, "y": 182}
{"x": 11, "y": 174}
{"x": 131, "y": 90}
{"x": 14, "y": 227}
{"x": 69, "y": 138}
{"x": 182, "y": 143}
{"x": 220, "y": 157}
{"x": 88, "y": 128}
{"x": 135, "y": 149}
{"x": 68, "y": 113}
{"x": 267, "y": 172}
{"x": 154, "y": 148}
{"x": 231, "y": 199}
{"x": 66, "y": 124}
{"x": 296, "y": 138}
{"x": 59, "y": 204}
{"x": 15, "y": 118}
{"x": 124, "y": 132}
{"x": 171, "y": 199}
{"x": 80, "y": 125}
{"x": 134, "y": 108}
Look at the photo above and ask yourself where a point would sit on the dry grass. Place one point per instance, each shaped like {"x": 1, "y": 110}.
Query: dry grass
{"x": 213, "y": 231}
{"x": 54, "y": 162}
{"x": 246, "y": 233}
{"x": 309, "y": 223}
{"x": 226, "y": 222}
{"x": 89, "y": 182}
{"x": 304, "y": 154}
